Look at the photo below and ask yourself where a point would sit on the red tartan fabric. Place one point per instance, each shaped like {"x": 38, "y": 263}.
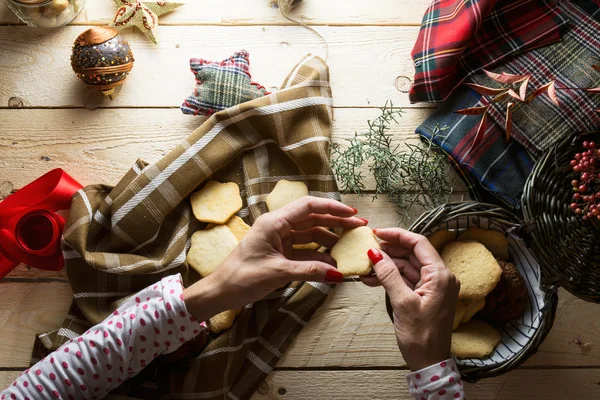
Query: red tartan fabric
{"x": 460, "y": 37}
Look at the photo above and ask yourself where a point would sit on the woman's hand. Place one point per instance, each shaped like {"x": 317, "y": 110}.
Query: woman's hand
{"x": 265, "y": 259}
{"x": 422, "y": 292}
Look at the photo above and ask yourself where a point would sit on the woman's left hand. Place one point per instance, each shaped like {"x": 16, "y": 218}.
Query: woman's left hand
{"x": 265, "y": 259}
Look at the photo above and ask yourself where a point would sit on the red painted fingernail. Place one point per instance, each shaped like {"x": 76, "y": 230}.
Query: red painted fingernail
{"x": 366, "y": 221}
{"x": 355, "y": 210}
{"x": 333, "y": 276}
{"x": 374, "y": 255}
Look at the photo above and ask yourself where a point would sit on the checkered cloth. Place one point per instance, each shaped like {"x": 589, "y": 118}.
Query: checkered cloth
{"x": 221, "y": 84}
{"x": 121, "y": 239}
{"x": 496, "y": 170}
{"x": 541, "y": 123}
{"x": 460, "y": 37}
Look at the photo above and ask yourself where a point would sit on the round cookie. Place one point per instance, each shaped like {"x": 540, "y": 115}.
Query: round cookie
{"x": 472, "y": 307}
{"x": 494, "y": 241}
{"x": 440, "y": 238}
{"x": 508, "y": 300}
{"x": 475, "y": 267}
{"x": 474, "y": 339}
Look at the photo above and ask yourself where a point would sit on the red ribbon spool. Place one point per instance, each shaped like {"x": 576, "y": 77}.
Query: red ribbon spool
{"x": 30, "y": 228}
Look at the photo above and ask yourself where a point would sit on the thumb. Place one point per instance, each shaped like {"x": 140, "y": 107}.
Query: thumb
{"x": 315, "y": 271}
{"x": 389, "y": 275}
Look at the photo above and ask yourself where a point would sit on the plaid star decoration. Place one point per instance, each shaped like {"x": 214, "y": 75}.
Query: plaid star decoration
{"x": 221, "y": 84}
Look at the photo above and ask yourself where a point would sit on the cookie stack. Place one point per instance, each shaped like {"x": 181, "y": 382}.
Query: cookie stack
{"x": 492, "y": 290}
{"x": 216, "y": 203}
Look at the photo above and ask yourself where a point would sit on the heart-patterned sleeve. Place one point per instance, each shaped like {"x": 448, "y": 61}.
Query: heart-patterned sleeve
{"x": 440, "y": 381}
{"x": 153, "y": 322}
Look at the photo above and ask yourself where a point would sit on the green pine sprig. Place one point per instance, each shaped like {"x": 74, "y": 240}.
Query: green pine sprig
{"x": 414, "y": 175}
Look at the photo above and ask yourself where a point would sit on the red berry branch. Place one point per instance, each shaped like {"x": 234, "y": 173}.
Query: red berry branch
{"x": 586, "y": 199}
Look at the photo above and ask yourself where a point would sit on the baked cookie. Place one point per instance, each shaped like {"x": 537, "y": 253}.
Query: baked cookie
{"x": 459, "y": 313}
{"x": 216, "y": 202}
{"x": 284, "y": 193}
{"x": 472, "y": 307}
{"x": 474, "y": 266}
{"x": 494, "y": 241}
{"x": 307, "y": 246}
{"x": 350, "y": 252}
{"x": 508, "y": 300}
{"x": 238, "y": 227}
{"x": 440, "y": 238}
{"x": 209, "y": 248}
{"x": 475, "y": 339}
{"x": 222, "y": 321}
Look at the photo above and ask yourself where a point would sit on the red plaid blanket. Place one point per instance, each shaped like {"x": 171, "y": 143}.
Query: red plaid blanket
{"x": 460, "y": 37}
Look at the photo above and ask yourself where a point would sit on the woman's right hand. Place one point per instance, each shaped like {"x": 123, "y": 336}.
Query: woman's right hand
{"x": 423, "y": 313}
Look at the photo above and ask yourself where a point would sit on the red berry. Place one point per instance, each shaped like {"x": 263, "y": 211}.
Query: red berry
{"x": 582, "y": 188}
{"x": 573, "y": 206}
{"x": 586, "y": 145}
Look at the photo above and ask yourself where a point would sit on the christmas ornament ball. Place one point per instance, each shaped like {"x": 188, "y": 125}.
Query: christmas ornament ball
{"x": 101, "y": 59}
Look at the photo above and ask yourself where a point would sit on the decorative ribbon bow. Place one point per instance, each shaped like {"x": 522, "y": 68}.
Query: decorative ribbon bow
{"x": 30, "y": 228}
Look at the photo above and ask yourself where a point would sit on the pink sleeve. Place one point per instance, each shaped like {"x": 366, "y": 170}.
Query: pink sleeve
{"x": 153, "y": 322}
{"x": 437, "y": 382}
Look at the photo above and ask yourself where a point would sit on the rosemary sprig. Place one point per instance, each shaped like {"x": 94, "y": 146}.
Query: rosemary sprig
{"x": 416, "y": 175}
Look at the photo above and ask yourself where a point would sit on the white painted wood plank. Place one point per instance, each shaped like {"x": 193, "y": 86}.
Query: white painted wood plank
{"x": 352, "y": 329}
{"x": 263, "y": 12}
{"x": 100, "y": 146}
{"x": 365, "y": 63}
{"x": 552, "y": 384}
{"x": 28, "y": 309}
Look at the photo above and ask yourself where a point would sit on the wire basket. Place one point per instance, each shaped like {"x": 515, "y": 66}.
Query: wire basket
{"x": 521, "y": 338}
{"x": 567, "y": 248}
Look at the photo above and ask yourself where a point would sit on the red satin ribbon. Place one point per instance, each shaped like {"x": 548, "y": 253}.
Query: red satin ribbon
{"x": 30, "y": 229}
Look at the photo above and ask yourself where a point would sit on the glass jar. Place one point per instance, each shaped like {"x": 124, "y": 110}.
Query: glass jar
{"x": 46, "y": 13}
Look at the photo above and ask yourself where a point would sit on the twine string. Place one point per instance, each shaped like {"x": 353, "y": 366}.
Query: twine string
{"x": 286, "y": 6}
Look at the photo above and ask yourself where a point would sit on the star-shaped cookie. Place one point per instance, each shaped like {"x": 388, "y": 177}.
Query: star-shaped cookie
{"x": 141, "y": 14}
{"x": 221, "y": 84}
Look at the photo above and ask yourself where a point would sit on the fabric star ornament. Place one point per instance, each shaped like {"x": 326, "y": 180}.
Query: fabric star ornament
{"x": 142, "y": 14}
{"x": 221, "y": 84}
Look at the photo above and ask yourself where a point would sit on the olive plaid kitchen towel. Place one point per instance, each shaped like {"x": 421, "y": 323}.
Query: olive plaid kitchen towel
{"x": 541, "y": 123}
{"x": 460, "y": 37}
{"x": 121, "y": 239}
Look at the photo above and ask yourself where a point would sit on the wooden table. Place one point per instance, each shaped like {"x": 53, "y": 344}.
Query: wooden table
{"x": 348, "y": 349}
